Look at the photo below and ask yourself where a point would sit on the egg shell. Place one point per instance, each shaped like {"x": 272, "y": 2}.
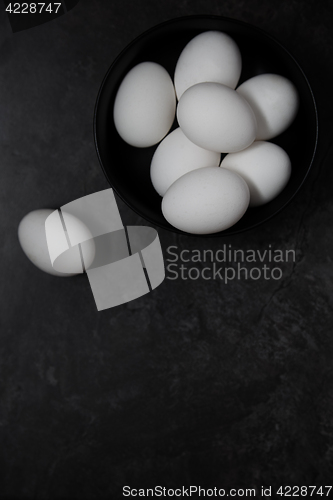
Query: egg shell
{"x": 32, "y": 238}
{"x": 212, "y": 56}
{"x": 175, "y": 156}
{"x": 216, "y": 118}
{"x": 145, "y": 105}
{"x": 264, "y": 166}
{"x": 274, "y": 100}
{"x": 206, "y": 200}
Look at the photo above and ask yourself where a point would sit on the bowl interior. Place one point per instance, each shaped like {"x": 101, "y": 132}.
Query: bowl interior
{"x": 128, "y": 169}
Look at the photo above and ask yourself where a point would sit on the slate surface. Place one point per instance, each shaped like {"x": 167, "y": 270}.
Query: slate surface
{"x": 197, "y": 383}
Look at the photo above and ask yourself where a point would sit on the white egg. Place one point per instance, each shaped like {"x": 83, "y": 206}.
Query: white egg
{"x": 211, "y": 56}
{"x": 206, "y": 200}
{"x": 145, "y": 105}
{"x": 32, "y": 238}
{"x": 264, "y": 166}
{"x": 175, "y": 156}
{"x": 216, "y": 118}
{"x": 274, "y": 100}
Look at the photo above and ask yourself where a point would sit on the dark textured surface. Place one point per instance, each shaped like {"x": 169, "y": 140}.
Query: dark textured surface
{"x": 198, "y": 382}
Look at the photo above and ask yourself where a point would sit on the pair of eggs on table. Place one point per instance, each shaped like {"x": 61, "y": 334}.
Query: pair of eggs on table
{"x": 213, "y": 118}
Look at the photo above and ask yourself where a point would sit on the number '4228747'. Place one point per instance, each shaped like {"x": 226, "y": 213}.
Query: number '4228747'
{"x": 304, "y": 491}
{"x": 33, "y": 8}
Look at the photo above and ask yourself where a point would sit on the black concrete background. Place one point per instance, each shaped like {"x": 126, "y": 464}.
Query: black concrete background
{"x": 198, "y": 382}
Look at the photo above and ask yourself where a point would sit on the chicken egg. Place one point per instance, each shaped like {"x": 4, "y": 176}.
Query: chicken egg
{"x": 274, "y": 100}
{"x": 175, "y": 156}
{"x": 145, "y": 105}
{"x": 32, "y": 238}
{"x": 206, "y": 200}
{"x": 211, "y": 56}
{"x": 264, "y": 166}
{"x": 216, "y": 118}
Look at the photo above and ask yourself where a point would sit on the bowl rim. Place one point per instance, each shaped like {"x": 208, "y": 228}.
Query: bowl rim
{"x": 260, "y": 31}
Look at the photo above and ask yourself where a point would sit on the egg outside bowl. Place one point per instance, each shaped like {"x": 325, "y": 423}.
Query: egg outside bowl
{"x": 127, "y": 168}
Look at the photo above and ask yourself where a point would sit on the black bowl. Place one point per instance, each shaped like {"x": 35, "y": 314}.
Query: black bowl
{"x": 128, "y": 169}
